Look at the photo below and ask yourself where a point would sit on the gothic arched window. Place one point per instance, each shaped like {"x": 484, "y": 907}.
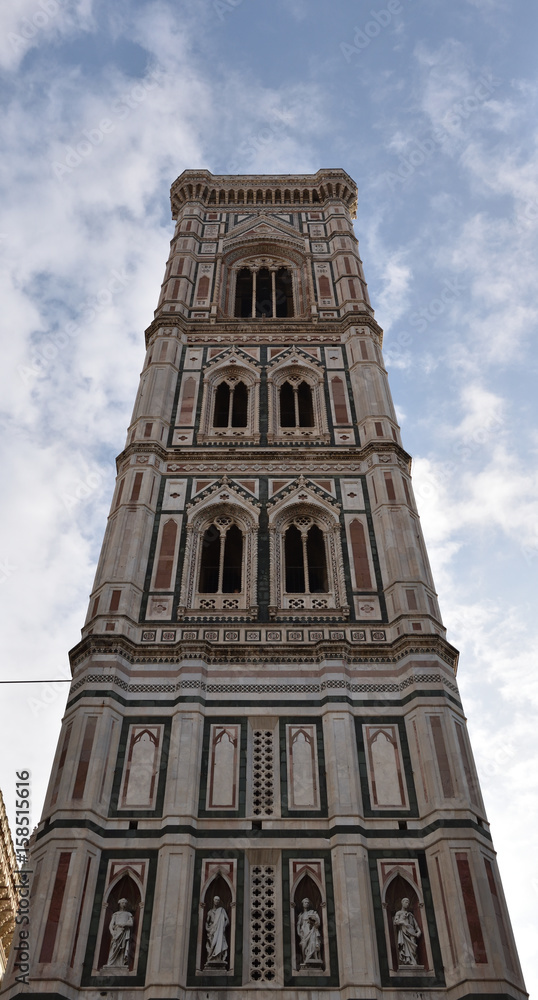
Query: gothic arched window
{"x": 220, "y": 556}
{"x": 221, "y": 562}
{"x": 231, "y": 405}
{"x": 296, "y": 407}
{"x": 305, "y": 558}
{"x": 230, "y": 400}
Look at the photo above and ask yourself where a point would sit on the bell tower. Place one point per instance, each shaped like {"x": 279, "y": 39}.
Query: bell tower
{"x": 263, "y": 780}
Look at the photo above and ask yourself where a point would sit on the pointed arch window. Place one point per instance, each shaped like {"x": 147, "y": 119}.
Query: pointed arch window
{"x": 231, "y": 405}
{"x": 305, "y": 558}
{"x": 221, "y": 562}
{"x": 296, "y": 405}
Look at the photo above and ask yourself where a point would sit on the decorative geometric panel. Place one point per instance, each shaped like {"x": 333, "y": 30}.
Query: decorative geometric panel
{"x": 262, "y": 939}
{"x": 407, "y": 939}
{"x": 263, "y": 782}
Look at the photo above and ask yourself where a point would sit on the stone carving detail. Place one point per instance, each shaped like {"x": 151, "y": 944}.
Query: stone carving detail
{"x": 119, "y": 924}
{"x": 215, "y": 948}
{"x": 407, "y": 935}
{"x": 262, "y": 948}
{"x": 263, "y": 791}
{"x": 216, "y": 944}
{"x": 120, "y": 935}
{"x": 217, "y": 504}
{"x": 301, "y": 502}
{"x": 308, "y": 923}
{"x": 406, "y": 926}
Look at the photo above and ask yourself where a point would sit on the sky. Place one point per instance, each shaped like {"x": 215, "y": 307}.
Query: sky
{"x": 431, "y": 108}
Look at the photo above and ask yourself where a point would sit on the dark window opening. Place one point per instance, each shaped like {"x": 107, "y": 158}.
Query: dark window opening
{"x": 209, "y": 566}
{"x": 296, "y": 405}
{"x": 306, "y": 410}
{"x": 264, "y": 293}
{"x": 240, "y": 405}
{"x": 222, "y": 405}
{"x": 233, "y": 558}
{"x": 283, "y": 293}
{"x": 243, "y": 293}
{"x": 221, "y": 562}
{"x": 295, "y": 579}
{"x": 287, "y": 406}
{"x": 231, "y": 405}
{"x": 317, "y": 563}
{"x": 306, "y": 561}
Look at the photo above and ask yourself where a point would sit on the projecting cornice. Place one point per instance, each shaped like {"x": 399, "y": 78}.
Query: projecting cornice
{"x": 258, "y": 331}
{"x": 237, "y": 191}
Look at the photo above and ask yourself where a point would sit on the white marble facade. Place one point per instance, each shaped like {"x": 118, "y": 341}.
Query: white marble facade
{"x": 263, "y": 781}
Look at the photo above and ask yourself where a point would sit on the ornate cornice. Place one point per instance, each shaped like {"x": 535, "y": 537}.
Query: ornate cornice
{"x": 261, "y": 331}
{"x": 217, "y": 653}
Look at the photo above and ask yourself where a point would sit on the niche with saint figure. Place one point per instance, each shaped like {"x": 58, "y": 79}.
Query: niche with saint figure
{"x": 405, "y": 927}
{"x": 117, "y": 952}
{"x": 308, "y": 917}
{"x": 216, "y": 916}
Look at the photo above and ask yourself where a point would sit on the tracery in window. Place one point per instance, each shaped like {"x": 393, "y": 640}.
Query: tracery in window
{"x": 221, "y": 554}
{"x": 221, "y": 564}
{"x": 229, "y": 401}
{"x": 231, "y": 405}
{"x": 296, "y": 407}
{"x": 306, "y": 555}
{"x": 305, "y": 558}
{"x": 263, "y": 292}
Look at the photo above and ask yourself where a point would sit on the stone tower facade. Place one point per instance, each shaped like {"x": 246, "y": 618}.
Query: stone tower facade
{"x": 263, "y": 780}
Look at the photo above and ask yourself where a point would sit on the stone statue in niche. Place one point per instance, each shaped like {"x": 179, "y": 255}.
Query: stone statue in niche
{"x": 407, "y": 935}
{"x": 120, "y": 936}
{"x": 216, "y": 924}
{"x": 308, "y": 923}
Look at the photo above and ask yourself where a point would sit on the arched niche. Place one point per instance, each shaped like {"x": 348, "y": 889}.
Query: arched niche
{"x": 219, "y": 888}
{"x": 397, "y": 889}
{"x": 308, "y": 889}
{"x": 127, "y": 888}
